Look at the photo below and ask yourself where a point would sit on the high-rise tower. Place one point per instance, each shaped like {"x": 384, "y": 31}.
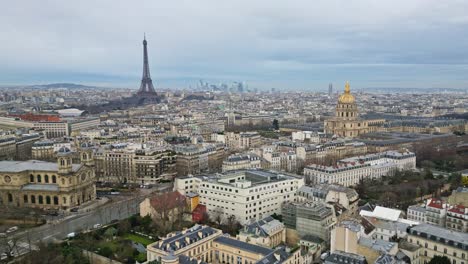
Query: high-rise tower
{"x": 146, "y": 87}
{"x": 330, "y": 89}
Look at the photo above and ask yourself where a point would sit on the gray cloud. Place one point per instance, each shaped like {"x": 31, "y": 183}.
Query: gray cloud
{"x": 268, "y": 43}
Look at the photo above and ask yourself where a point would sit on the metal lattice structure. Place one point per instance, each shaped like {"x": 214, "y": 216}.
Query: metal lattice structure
{"x": 146, "y": 87}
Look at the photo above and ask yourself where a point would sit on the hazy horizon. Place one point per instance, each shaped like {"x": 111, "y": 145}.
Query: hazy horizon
{"x": 298, "y": 45}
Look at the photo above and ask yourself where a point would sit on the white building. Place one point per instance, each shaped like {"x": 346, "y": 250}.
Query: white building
{"x": 245, "y": 194}
{"x": 350, "y": 171}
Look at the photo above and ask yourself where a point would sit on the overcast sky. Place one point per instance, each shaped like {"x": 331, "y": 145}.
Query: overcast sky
{"x": 282, "y": 44}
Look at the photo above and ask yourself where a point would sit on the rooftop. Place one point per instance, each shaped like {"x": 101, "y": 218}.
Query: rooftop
{"x": 177, "y": 240}
{"x": 243, "y": 245}
{"x": 339, "y": 257}
{"x": 441, "y": 235}
{"x": 32, "y": 165}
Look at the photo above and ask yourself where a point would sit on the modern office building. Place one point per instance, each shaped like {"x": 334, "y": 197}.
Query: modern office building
{"x": 244, "y": 194}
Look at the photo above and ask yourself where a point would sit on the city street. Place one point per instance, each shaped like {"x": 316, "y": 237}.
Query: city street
{"x": 123, "y": 207}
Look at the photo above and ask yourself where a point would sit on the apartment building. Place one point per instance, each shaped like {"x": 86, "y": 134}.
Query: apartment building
{"x": 131, "y": 163}
{"x": 281, "y": 161}
{"x": 244, "y": 194}
{"x": 242, "y": 140}
{"x": 439, "y": 241}
{"x": 309, "y": 218}
{"x": 197, "y": 158}
{"x": 242, "y": 161}
{"x": 267, "y": 232}
{"x": 440, "y": 213}
{"x": 346, "y": 197}
{"x": 7, "y": 147}
{"x": 348, "y": 172}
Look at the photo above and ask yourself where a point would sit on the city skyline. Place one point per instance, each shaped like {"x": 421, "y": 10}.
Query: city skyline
{"x": 294, "y": 46}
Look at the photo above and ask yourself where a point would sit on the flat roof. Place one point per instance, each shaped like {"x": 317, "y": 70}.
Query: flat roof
{"x": 32, "y": 165}
{"x": 243, "y": 245}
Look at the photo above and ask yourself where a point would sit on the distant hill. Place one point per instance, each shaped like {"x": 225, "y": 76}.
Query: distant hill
{"x": 61, "y": 85}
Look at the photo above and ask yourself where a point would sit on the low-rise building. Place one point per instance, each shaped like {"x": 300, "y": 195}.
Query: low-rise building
{"x": 267, "y": 232}
{"x": 204, "y": 244}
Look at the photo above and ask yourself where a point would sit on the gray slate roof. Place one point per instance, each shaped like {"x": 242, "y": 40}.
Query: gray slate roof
{"x": 32, "y": 165}
{"x": 243, "y": 245}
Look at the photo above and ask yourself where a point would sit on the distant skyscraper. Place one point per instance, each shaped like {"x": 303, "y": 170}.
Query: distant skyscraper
{"x": 330, "y": 89}
{"x": 146, "y": 87}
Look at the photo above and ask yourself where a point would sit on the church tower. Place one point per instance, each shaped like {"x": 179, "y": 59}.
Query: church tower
{"x": 87, "y": 154}
{"x": 64, "y": 160}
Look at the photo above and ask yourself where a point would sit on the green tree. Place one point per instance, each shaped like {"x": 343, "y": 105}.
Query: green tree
{"x": 275, "y": 124}
{"x": 439, "y": 260}
{"x": 106, "y": 252}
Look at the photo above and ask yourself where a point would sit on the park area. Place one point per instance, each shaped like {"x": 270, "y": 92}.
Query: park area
{"x": 124, "y": 241}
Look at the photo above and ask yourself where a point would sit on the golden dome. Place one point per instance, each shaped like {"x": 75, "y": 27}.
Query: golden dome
{"x": 346, "y": 97}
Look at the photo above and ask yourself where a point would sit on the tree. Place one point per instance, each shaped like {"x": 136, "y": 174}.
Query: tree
{"x": 439, "y": 260}
{"x": 106, "y": 252}
{"x": 218, "y": 216}
{"x": 275, "y": 124}
{"x": 123, "y": 227}
{"x": 232, "y": 225}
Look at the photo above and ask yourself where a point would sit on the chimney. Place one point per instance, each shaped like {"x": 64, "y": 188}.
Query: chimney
{"x": 200, "y": 234}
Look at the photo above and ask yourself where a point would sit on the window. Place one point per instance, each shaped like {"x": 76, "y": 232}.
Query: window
{"x": 10, "y": 198}
{"x": 39, "y": 178}
{"x": 63, "y": 181}
{"x": 47, "y": 199}
{"x": 31, "y": 178}
{"x": 64, "y": 200}
{"x": 56, "y": 200}
{"x": 33, "y": 199}
{"x": 25, "y": 199}
{"x": 41, "y": 200}
{"x": 54, "y": 179}
{"x": 46, "y": 178}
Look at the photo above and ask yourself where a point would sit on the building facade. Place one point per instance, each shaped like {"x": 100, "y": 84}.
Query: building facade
{"x": 244, "y": 194}
{"x": 351, "y": 171}
{"x": 46, "y": 185}
{"x": 346, "y": 122}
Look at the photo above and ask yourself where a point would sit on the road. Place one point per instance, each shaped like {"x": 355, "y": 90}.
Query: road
{"x": 118, "y": 210}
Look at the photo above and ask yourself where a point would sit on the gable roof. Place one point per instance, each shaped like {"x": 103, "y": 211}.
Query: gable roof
{"x": 167, "y": 201}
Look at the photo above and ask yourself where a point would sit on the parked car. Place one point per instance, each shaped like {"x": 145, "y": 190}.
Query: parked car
{"x": 74, "y": 210}
{"x": 12, "y": 229}
{"x": 324, "y": 255}
{"x": 71, "y": 235}
{"x": 3, "y": 234}
{"x": 96, "y": 226}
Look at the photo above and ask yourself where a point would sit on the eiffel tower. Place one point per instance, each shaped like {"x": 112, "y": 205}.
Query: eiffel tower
{"x": 146, "y": 87}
